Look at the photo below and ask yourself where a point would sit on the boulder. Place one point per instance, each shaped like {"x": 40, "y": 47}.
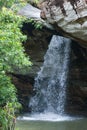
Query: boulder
{"x": 31, "y": 12}
{"x": 68, "y": 17}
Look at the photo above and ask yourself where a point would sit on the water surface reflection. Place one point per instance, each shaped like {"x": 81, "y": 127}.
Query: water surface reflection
{"x": 79, "y": 124}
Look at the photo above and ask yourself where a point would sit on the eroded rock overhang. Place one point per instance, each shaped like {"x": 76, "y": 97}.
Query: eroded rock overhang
{"x": 68, "y": 16}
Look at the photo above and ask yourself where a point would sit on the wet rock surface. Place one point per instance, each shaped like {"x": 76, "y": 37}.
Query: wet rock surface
{"x": 24, "y": 86}
{"x": 77, "y": 87}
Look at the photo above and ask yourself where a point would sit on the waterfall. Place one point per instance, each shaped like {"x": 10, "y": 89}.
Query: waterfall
{"x": 51, "y": 81}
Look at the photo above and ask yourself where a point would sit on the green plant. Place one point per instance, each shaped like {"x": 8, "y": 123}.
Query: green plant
{"x": 34, "y": 1}
{"x": 36, "y": 24}
{"x": 8, "y": 102}
{"x": 12, "y": 58}
{"x": 7, "y": 3}
{"x": 11, "y": 49}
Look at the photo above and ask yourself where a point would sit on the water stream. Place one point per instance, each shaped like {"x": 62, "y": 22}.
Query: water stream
{"x": 51, "y": 82}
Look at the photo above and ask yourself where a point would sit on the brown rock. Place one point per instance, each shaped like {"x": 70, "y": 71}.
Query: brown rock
{"x": 69, "y": 16}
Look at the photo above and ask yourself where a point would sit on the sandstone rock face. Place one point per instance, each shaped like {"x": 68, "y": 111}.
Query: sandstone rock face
{"x": 36, "y": 46}
{"x": 24, "y": 86}
{"x": 77, "y": 89}
{"x": 32, "y": 12}
{"x": 67, "y": 16}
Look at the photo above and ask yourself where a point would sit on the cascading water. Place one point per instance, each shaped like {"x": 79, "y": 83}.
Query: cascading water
{"x": 51, "y": 82}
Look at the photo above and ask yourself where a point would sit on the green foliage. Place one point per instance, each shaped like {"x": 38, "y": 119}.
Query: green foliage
{"x": 14, "y": 4}
{"x": 11, "y": 51}
{"x": 36, "y": 24}
{"x": 32, "y": 1}
{"x": 36, "y": 1}
{"x": 12, "y": 58}
{"x": 8, "y": 102}
{"x": 7, "y": 3}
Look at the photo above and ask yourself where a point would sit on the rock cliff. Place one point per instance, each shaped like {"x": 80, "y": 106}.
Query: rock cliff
{"x": 67, "y": 16}
{"x": 77, "y": 87}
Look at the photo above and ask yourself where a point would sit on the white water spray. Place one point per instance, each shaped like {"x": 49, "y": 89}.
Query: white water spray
{"x": 51, "y": 82}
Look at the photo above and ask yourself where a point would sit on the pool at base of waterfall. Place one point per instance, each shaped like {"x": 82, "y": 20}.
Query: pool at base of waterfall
{"x": 46, "y": 116}
{"x": 51, "y": 87}
{"x": 41, "y": 122}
